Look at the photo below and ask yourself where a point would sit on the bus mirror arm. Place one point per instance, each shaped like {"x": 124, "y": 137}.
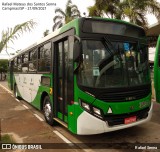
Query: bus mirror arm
{"x": 76, "y": 51}
{"x": 76, "y": 69}
{"x": 77, "y": 38}
{"x": 77, "y": 54}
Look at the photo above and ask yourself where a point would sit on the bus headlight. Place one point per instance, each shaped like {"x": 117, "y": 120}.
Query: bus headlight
{"x": 92, "y": 110}
{"x": 97, "y": 112}
{"x": 86, "y": 106}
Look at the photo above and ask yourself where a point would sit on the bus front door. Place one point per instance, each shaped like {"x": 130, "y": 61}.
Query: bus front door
{"x": 157, "y": 71}
{"x": 63, "y": 81}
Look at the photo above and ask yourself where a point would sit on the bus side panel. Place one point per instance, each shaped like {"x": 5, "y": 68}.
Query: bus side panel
{"x": 42, "y": 90}
{"x": 157, "y": 71}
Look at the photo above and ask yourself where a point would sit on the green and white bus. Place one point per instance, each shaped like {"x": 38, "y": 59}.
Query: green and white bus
{"x": 92, "y": 76}
{"x": 157, "y": 71}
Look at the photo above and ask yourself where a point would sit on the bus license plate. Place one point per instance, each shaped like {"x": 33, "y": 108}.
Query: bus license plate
{"x": 130, "y": 120}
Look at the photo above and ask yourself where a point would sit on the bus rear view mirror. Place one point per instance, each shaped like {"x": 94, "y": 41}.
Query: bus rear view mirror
{"x": 76, "y": 51}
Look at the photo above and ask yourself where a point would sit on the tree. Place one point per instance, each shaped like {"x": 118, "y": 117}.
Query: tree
{"x": 45, "y": 33}
{"x": 134, "y": 10}
{"x": 3, "y": 68}
{"x": 11, "y": 34}
{"x": 110, "y": 8}
{"x": 95, "y": 11}
{"x": 71, "y": 12}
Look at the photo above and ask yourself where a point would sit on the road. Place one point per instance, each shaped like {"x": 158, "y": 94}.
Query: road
{"x": 27, "y": 125}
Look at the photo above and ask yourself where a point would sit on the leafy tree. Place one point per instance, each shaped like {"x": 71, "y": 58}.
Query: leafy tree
{"x": 45, "y": 33}
{"x": 71, "y": 12}
{"x": 134, "y": 10}
{"x": 11, "y": 34}
{"x": 95, "y": 11}
{"x": 110, "y": 8}
{"x": 3, "y": 67}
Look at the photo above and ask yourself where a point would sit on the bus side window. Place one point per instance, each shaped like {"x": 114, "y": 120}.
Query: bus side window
{"x": 33, "y": 60}
{"x": 25, "y": 63}
{"x": 44, "y": 58}
{"x": 19, "y": 64}
{"x": 46, "y": 81}
{"x": 15, "y": 65}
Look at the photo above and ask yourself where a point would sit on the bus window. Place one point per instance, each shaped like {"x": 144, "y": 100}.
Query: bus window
{"x": 19, "y": 64}
{"x": 44, "y": 58}
{"x": 25, "y": 63}
{"x": 33, "y": 60}
{"x": 15, "y": 65}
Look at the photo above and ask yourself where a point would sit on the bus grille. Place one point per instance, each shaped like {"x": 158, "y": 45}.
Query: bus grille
{"x": 123, "y": 96}
{"x": 119, "y": 119}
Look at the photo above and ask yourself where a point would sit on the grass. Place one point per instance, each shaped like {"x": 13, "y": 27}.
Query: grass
{"x": 6, "y": 139}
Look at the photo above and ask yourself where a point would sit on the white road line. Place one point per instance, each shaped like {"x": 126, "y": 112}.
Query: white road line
{"x": 25, "y": 106}
{"x": 17, "y": 100}
{"x": 6, "y": 89}
{"x": 62, "y": 137}
{"x": 38, "y": 117}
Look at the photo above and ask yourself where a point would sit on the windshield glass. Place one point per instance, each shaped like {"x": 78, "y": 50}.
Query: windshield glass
{"x": 121, "y": 64}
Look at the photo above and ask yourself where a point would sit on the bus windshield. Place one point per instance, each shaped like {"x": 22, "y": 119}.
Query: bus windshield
{"x": 125, "y": 65}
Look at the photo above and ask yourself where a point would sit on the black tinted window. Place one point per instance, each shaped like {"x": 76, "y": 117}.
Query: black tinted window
{"x": 44, "y": 58}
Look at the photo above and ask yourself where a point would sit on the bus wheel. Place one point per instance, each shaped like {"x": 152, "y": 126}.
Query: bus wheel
{"x": 47, "y": 111}
{"x": 15, "y": 91}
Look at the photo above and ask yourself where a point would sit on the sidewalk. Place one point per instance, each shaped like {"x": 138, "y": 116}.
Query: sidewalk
{"x": 23, "y": 125}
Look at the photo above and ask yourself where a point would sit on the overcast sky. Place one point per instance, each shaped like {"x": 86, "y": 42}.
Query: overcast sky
{"x": 44, "y": 18}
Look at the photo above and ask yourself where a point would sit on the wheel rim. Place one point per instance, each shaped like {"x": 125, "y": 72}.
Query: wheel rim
{"x": 16, "y": 93}
{"x": 47, "y": 111}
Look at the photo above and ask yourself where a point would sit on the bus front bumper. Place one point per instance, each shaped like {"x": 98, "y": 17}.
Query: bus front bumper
{"x": 88, "y": 124}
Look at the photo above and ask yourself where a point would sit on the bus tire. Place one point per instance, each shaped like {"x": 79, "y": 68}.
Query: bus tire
{"x": 48, "y": 110}
{"x": 15, "y": 91}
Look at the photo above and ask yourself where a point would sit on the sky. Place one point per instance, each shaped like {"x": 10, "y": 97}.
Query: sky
{"x": 44, "y": 18}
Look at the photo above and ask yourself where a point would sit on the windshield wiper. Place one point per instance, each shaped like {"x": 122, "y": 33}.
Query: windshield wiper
{"x": 109, "y": 46}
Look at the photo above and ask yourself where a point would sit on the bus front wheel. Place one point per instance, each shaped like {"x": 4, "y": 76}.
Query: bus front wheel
{"x": 15, "y": 91}
{"x": 47, "y": 111}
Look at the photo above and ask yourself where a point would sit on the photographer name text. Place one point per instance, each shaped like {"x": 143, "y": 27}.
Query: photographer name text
{"x": 26, "y": 6}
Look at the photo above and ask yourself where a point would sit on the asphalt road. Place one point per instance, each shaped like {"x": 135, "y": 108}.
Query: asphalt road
{"x": 27, "y": 125}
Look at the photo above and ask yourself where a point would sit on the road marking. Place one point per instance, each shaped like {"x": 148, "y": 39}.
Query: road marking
{"x": 6, "y": 89}
{"x": 25, "y": 106}
{"x": 17, "y": 100}
{"x": 62, "y": 137}
{"x": 38, "y": 117}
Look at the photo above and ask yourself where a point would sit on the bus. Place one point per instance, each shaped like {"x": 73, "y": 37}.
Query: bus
{"x": 91, "y": 75}
{"x": 157, "y": 71}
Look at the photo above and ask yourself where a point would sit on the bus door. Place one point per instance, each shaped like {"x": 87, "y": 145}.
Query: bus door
{"x": 63, "y": 78}
{"x": 157, "y": 71}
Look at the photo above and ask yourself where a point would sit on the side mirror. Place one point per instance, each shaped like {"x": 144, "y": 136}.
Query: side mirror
{"x": 76, "y": 51}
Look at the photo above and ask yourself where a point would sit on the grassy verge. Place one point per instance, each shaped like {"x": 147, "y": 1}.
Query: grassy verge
{"x": 6, "y": 139}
